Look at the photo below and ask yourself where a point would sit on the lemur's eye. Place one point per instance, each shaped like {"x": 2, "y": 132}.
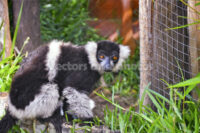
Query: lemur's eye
{"x": 101, "y": 57}
{"x": 115, "y": 57}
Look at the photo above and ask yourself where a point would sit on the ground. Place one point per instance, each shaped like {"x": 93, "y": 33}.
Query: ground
{"x": 124, "y": 101}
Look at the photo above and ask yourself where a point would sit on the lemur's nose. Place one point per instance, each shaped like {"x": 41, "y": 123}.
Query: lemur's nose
{"x": 108, "y": 67}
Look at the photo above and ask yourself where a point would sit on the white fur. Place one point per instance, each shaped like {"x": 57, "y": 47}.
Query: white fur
{"x": 52, "y": 58}
{"x": 91, "y": 49}
{"x": 80, "y": 104}
{"x": 43, "y": 105}
{"x": 66, "y": 43}
{"x": 92, "y": 104}
{"x": 124, "y": 52}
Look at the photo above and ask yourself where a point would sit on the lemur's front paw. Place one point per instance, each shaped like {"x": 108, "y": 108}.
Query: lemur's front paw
{"x": 79, "y": 104}
{"x": 80, "y": 113}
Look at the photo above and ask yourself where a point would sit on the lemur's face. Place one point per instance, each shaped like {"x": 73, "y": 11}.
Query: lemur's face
{"x": 107, "y": 55}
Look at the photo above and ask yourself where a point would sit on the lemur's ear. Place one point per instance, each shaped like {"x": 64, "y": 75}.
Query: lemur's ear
{"x": 124, "y": 52}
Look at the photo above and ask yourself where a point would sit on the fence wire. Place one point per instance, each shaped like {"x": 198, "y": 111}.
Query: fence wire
{"x": 171, "y": 59}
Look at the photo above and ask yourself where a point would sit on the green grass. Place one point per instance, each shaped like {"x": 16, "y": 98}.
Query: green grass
{"x": 182, "y": 114}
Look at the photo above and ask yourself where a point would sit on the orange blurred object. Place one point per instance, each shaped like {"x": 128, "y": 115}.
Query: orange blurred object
{"x": 114, "y": 19}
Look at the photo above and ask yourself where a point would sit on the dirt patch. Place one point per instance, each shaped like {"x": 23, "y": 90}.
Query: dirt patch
{"x": 124, "y": 101}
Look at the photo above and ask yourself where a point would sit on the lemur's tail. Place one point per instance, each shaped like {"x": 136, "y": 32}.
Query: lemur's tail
{"x": 7, "y": 122}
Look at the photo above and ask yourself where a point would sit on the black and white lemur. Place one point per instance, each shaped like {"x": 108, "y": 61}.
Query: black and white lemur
{"x": 57, "y": 78}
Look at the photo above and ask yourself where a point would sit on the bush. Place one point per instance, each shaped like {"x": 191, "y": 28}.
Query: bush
{"x": 66, "y": 20}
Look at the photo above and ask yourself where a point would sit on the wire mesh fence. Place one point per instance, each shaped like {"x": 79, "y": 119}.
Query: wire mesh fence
{"x": 174, "y": 58}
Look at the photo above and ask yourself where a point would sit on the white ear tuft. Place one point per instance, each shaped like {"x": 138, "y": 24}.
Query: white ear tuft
{"x": 91, "y": 47}
{"x": 124, "y": 52}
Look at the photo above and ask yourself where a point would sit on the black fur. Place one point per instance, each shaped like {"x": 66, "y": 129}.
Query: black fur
{"x": 27, "y": 82}
{"x": 108, "y": 47}
{"x": 7, "y": 123}
{"x": 76, "y": 78}
{"x": 56, "y": 119}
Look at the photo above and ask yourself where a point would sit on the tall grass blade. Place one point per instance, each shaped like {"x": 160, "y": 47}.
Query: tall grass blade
{"x": 183, "y": 26}
{"x": 154, "y": 102}
{"x": 25, "y": 42}
{"x": 16, "y": 28}
{"x": 145, "y": 117}
{"x": 4, "y": 46}
{"x": 197, "y": 4}
{"x": 159, "y": 95}
{"x": 193, "y": 81}
{"x": 196, "y": 121}
{"x": 189, "y": 89}
{"x": 1, "y": 25}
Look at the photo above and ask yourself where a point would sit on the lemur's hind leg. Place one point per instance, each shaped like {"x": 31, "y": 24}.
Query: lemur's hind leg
{"x": 79, "y": 104}
{"x": 43, "y": 105}
{"x": 56, "y": 119}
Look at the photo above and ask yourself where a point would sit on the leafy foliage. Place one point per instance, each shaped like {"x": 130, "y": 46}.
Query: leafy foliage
{"x": 66, "y": 20}
{"x": 8, "y": 67}
{"x": 10, "y": 64}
